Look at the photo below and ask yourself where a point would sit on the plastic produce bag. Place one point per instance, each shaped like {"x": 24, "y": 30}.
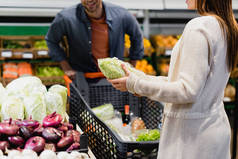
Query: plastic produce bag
{"x": 104, "y": 112}
{"x": 54, "y": 103}
{"x": 62, "y": 91}
{"x": 35, "y": 106}
{"x": 111, "y": 68}
{"x": 12, "y": 107}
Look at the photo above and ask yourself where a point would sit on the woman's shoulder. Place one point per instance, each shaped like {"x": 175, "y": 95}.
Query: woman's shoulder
{"x": 207, "y": 25}
{"x": 203, "y": 22}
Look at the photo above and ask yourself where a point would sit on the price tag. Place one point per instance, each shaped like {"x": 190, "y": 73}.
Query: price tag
{"x": 168, "y": 52}
{"x": 6, "y": 54}
{"x": 27, "y": 55}
{"x": 42, "y": 52}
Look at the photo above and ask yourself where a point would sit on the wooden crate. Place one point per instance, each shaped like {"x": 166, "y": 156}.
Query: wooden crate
{"x": 48, "y": 81}
{"x": 39, "y": 53}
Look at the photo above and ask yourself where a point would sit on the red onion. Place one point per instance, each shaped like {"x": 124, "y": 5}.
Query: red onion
{"x": 52, "y": 120}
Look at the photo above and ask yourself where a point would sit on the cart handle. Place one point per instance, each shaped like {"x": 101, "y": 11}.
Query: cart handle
{"x": 86, "y": 75}
{"x": 94, "y": 75}
{"x": 67, "y": 83}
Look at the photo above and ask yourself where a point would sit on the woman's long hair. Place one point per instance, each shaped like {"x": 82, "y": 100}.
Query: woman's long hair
{"x": 222, "y": 10}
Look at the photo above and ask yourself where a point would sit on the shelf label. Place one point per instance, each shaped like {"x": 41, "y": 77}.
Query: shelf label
{"x": 27, "y": 55}
{"x": 6, "y": 54}
{"x": 168, "y": 52}
{"x": 42, "y": 52}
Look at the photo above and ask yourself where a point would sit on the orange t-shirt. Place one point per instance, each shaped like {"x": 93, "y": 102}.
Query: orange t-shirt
{"x": 100, "y": 38}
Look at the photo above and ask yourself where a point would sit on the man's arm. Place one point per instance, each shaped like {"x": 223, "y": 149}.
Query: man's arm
{"x": 53, "y": 38}
{"x": 68, "y": 69}
{"x": 132, "y": 28}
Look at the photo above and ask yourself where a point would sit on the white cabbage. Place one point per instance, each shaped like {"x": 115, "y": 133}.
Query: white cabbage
{"x": 12, "y": 107}
{"x": 54, "y": 103}
{"x": 35, "y": 106}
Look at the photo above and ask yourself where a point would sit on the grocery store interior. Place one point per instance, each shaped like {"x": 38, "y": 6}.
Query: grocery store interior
{"x": 24, "y": 51}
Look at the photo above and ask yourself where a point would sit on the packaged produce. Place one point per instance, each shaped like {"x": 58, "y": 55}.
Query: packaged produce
{"x": 10, "y": 70}
{"x": 137, "y": 124}
{"x": 104, "y": 112}
{"x": 24, "y": 69}
{"x": 111, "y": 68}
{"x": 150, "y": 135}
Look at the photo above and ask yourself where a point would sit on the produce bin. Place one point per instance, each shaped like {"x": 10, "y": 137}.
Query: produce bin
{"x": 104, "y": 143}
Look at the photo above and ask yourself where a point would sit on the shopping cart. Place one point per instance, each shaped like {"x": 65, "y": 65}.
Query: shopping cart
{"x": 86, "y": 93}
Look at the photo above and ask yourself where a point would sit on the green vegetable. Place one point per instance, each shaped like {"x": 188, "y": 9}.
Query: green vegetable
{"x": 104, "y": 112}
{"x": 47, "y": 71}
{"x": 40, "y": 44}
{"x": 35, "y": 106}
{"x": 12, "y": 107}
{"x": 151, "y": 135}
{"x": 111, "y": 68}
{"x": 54, "y": 103}
{"x": 62, "y": 91}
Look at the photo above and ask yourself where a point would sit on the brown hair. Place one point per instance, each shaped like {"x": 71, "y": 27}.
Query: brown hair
{"x": 222, "y": 10}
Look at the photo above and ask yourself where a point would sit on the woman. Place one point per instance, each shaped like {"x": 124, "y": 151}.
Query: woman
{"x": 195, "y": 124}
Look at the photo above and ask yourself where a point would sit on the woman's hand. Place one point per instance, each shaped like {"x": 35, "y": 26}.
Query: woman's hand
{"x": 120, "y": 83}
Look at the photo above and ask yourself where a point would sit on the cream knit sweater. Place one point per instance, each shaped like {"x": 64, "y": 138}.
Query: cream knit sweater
{"x": 195, "y": 124}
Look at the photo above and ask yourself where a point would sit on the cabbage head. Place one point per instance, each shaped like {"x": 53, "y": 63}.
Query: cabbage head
{"x": 35, "y": 106}
{"x": 25, "y": 86}
{"x": 62, "y": 91}
{"x": 12, "y": 107}
{"x": 54, "y": 103}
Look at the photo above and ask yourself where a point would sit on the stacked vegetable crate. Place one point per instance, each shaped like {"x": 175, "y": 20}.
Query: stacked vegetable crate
{"x": 49, "y": 73}
{"x": 104, "y": 142}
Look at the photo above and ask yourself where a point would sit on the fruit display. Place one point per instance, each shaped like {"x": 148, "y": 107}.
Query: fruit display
{"x": 144, "y": 66}
{"x": 52, "y": 134}
{"x": 164, "y": 42}
{"x": 148, "y": 49}
{"x": 40, "y": 45}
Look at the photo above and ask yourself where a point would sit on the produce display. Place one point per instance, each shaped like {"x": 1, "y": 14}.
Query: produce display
{"x": 46, "y": 154}
{"x": 148, "y": 49}
{"x": 27, "y": 97}
{"x": 14, "y": 44}
{"x": 144, "y": 66}
{"x": 49, "y": 71}
{"x": 13, "y": 70}
{"x": 50, "y": 74}
{"x": 40, "y": 45}
{"x": 53, "y": 135}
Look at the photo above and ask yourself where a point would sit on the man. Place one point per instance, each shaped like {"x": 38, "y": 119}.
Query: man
{"x": 94, "y": 29}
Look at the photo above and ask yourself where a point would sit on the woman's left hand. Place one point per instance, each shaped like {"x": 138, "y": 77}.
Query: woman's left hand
{"x": 120, "y": 83}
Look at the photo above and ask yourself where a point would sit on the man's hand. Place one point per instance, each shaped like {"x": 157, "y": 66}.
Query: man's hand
{"x": 68, "y": 70}
{"x": 71, "y": 74}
